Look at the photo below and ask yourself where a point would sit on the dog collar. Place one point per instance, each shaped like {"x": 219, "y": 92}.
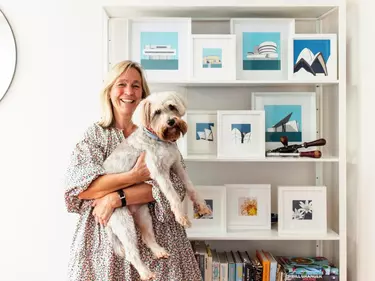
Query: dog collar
{"x": 151, "y": 134}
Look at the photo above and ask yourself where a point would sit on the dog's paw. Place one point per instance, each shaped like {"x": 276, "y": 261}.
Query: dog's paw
{"x": 160, "y": 253}
{"x": 184, "y": 221}
{"x": 147, "y": 275}
{"x": 204, "y": 210}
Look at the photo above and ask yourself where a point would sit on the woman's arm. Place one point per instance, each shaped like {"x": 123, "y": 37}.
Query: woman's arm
{"x": 140, "y": 193}
{"x": 109, "y": 183}
{"x": 137, "y": 194}
{"x": 106, "y": 184}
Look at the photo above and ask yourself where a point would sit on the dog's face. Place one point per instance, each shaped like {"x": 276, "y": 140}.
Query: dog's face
{"x": 161, "y": 113}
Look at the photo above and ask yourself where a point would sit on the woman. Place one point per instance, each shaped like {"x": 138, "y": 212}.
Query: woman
{"x": 94, "y": 195}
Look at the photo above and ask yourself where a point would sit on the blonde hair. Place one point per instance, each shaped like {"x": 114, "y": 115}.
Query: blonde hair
{"x": 116, "y": 71}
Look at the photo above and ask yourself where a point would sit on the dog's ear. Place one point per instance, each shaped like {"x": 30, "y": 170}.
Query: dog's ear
{"x": 145, "y": 113}
{"x": 181, "y": 102}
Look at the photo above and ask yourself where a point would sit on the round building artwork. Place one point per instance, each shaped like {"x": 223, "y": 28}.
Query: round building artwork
{"x": 261, "y": 51}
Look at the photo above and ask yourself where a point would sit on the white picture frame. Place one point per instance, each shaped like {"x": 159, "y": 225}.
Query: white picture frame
{"x": 277, "y": 105}
{"x": 201, "y": 136}
{"x": 304, "y": 51}
{"x": 248, "y": 206}
{"x": 241, "y": 134}
{"x": 213, "y": 57}
{"x": 215, "y": 197}
{"x": 161, "y": 46}
{"x": 254, "y": 38}
{"x": 302, "y": 210}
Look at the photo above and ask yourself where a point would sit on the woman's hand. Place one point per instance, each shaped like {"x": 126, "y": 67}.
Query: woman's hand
{"x": 140, "y": 170}
{"x": 104, "y": 207}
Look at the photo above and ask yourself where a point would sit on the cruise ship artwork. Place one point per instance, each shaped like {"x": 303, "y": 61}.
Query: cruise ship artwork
{"x": 159, "y": 50}
{"x": 261, "y": 51}
{"x": 204, "y": 132}
{"x": 285, "y": 126}
{"x": 311, "y": 57}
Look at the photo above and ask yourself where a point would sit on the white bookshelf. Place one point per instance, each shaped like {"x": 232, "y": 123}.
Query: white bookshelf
{"x": 321, "y": 16}
{"x": 260, "y": 235}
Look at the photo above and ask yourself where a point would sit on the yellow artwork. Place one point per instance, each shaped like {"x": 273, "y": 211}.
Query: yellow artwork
{"x": 248, "y": 206}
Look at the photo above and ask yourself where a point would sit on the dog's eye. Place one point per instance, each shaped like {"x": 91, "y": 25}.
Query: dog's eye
{"x": 157, "y": 112}
{"x": 172, "y": 107}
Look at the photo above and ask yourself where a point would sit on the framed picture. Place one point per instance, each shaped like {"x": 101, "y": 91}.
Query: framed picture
{"x": 215, "y": 197}
{"x": 241, "y": 134}
{"x": 314, "y": 57}
{"x": 287, "y": 114}
{"x": 248, "y": 206}
{"x": 262, "y": 47}
{"x": 161, "y": 46}
{"x": 213, "y": 57}
{"x": 302, "y": 210}
{"x": 201, "y": 137}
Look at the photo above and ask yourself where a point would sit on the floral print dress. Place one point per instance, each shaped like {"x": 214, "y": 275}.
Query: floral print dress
{"x": 92, "y": 257}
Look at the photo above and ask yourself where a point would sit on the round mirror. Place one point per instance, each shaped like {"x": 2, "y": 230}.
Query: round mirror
{"x": 8, "y": 57}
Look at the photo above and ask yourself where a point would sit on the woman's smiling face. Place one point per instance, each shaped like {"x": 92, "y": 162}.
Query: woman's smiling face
{"x": 126, "y": 93}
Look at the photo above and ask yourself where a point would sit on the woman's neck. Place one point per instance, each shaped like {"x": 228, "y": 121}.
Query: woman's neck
{"x": 126, "y": 125}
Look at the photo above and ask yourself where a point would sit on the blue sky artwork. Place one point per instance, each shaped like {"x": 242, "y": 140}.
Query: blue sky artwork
{"x": 315, "y": 46}
{"x": 252, "y": 39}
{"x": 212, "y": 52}
{"x": 274, "y": 113}
{"x": 243, "y": 128}
{"x": 159, "y": 38}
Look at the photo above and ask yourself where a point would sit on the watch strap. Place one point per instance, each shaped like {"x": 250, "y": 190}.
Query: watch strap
{"x": 122, "y": 197}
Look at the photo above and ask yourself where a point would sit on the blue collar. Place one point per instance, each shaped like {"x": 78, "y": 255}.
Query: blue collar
{"x": 151, "y": 135}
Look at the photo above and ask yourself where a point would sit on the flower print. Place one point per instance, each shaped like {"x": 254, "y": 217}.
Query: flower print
{"x": 298, "y": 214}
{"x": 306, "y": 207}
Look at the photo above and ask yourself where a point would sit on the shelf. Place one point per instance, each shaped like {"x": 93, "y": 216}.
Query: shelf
{"x": 210, "y": 158}
{"x": 204, "y": 9}
{"x": 260, "y": 235}
{"x": 243, "y": 83}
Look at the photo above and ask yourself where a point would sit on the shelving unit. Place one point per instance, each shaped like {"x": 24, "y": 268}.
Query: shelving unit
{"x": 260, "y": 235}
{"x": 327, "y": 16}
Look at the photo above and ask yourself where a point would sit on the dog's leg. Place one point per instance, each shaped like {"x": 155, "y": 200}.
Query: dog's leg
{"x": 190, "y": 189}
{"x": 124, "y": 228}
{"x": 144, "y": 221}
{"x": 174, "y": 200}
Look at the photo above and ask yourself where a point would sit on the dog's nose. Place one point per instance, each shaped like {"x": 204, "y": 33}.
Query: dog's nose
{"x": 171, "y": 122}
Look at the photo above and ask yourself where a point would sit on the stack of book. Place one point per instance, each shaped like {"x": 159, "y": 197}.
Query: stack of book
{"x": 261, "y": 266}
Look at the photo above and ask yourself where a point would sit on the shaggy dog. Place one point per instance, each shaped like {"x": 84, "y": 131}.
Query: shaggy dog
{"x": 162, "y": 125}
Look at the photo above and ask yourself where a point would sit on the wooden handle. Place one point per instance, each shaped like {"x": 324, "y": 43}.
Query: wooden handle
{"x": 318, "y": 142}
{"x": 311, "y": 154}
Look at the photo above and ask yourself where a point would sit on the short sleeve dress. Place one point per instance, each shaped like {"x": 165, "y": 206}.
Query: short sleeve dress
{"x": 92, "y": 257}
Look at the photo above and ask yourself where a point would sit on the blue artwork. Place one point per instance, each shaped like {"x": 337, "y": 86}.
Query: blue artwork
{"x": 283, "y": 120}
{"x": 159, "y": 50}
{"x": 212, "y": 58}
{"x": 204, "y": 131}
{"x": 241, "y": 133}
{"x": 261, "y": 51}
{"x": 311, "y": 56}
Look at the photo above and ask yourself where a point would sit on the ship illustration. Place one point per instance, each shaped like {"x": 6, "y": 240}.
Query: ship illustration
{"x": 159, "y": 52}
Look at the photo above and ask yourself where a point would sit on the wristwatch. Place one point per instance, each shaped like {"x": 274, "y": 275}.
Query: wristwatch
{"x": 122, "y": 197}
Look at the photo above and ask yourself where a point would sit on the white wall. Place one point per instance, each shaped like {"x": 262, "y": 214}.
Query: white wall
{"x": 361, "y": 176}
{"x": 54, "y": 97}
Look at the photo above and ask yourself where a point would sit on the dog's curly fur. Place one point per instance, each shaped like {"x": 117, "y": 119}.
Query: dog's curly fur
{"x": 160, "y": 114}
